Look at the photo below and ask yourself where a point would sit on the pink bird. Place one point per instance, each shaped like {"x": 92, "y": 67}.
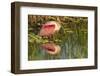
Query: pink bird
{"x": 51, "y": 48}
{"x": 49, "y": 28}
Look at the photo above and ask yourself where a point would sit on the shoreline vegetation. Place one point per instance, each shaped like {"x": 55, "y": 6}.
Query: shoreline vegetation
{"x": 72, "y": 37}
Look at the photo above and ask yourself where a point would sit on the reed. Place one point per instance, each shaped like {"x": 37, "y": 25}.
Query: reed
{"x": 72, "y": 37}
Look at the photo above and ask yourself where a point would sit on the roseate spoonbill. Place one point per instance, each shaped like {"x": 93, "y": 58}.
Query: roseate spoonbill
{"x": 51, "y": 48}
{"x": 49, "y": 28}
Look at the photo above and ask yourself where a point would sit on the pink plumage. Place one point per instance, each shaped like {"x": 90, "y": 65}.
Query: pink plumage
{"x": 49, "y": 28}
{"x": 51, "y": 48}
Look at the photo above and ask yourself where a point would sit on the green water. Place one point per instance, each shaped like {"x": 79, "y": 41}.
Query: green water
{"x": 72, "y": 39}
{"x": 73, "y": 46}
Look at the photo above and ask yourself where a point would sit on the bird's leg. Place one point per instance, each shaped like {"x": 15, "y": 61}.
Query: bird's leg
{"x": 51, "y": 38}
{"x": 44, "y": 37}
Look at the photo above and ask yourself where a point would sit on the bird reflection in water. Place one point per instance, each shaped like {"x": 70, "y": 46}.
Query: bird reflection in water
{"x": 51, "y": 48}
{"x": 48, "y": 30}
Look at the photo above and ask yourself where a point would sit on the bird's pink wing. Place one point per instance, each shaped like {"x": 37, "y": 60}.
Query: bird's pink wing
{"x": 47, "y": 30}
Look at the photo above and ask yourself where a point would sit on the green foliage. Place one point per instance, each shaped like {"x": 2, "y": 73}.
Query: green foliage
{"x": 72, "y": 37}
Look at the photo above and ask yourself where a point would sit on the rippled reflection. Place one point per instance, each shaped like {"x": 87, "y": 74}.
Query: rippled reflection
{"x": 51, "y": 48}
{"x": 57, "y": 37}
